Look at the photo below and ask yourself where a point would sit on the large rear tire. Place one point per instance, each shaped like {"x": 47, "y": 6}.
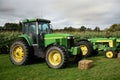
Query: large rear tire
{"x": 56, "y": 57}
{"x": 20, "y": 53}
{"x": 86, "y": 48}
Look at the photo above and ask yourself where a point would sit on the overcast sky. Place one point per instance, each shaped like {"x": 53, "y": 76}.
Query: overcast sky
{"x": 62, "y": 13}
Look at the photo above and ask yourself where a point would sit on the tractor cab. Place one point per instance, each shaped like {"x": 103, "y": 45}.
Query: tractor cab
{"x": 35, "y": 29}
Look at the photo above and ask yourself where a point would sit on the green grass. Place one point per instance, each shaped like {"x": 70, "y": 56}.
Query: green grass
{"x": 103, "y": 69}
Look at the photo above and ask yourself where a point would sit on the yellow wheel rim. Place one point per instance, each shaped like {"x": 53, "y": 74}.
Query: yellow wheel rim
{"x": 84, "y": 49}
{"x": 109, "y": 54}
{"x": 17, "y": 53}
{"x": 54, "y": 57}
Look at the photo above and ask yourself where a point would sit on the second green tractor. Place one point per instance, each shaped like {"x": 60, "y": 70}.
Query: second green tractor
{"x": 110, "y": 46}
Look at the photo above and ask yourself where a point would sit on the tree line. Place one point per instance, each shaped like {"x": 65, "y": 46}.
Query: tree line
{"x": 112, "y": 28}
{"x": 11, "y": 27}
{"x": 17, "y": 27}
{"x": 82, "y": 28}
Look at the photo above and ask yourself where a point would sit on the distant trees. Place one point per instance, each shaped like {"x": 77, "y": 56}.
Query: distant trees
{"x": 11, "y": 27}
{"x": 69, "y": 28}
{"x": 89, "y": 29}
{"x": 17, "y": 27}
{"x": 97, "y": 29}
{"x": 114, "y": 27}
{"x": 81, "y": 29}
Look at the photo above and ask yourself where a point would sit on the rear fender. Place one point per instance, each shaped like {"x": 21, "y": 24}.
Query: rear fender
{"x": 27, "y": 39}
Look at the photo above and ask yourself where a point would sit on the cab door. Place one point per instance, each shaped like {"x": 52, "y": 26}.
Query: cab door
{"x": 31, "y": 30}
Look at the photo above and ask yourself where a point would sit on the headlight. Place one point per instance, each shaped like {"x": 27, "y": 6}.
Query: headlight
{"x": 70, "y": 37}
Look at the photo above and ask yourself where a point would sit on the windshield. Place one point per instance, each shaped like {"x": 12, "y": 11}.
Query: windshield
{"x": 44, "y": 27}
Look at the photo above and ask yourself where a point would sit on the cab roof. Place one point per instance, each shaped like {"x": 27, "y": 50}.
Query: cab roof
{"x": 34, "y": 20}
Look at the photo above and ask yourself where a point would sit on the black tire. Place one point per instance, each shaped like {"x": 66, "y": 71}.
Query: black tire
{"x": 110, "y": 54}
{"x": 95, "y": 52}
{"x": 75, "y": 58}
{"x": 60, "y": 53}
{"x": 89, "y": 47}
{"x": 20, "y": 53}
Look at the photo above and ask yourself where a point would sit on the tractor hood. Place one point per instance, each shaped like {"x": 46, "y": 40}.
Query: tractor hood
{"x": 57, "y": 36}
{"x": 61, "y": 39}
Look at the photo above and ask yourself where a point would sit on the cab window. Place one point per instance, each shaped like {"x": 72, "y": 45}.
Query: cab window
{"x": 43, "y": 28}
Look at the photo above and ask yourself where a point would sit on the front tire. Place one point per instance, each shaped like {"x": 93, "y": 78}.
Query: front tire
{"x": 20, "y": 53}
{"x": 56, "y": 57}
{"x": 110, "y": 54}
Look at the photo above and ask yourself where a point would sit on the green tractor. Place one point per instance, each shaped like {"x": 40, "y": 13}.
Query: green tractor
{"x": 107, "y": 45}
{"x": 110, "y": 46}
{"x": 38, "y": 40}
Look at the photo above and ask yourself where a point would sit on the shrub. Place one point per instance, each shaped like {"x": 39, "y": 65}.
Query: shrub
{"x": 6, "y": 39}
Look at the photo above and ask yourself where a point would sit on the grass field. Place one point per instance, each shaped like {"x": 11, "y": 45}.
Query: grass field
{"x": 103, "y": 69}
